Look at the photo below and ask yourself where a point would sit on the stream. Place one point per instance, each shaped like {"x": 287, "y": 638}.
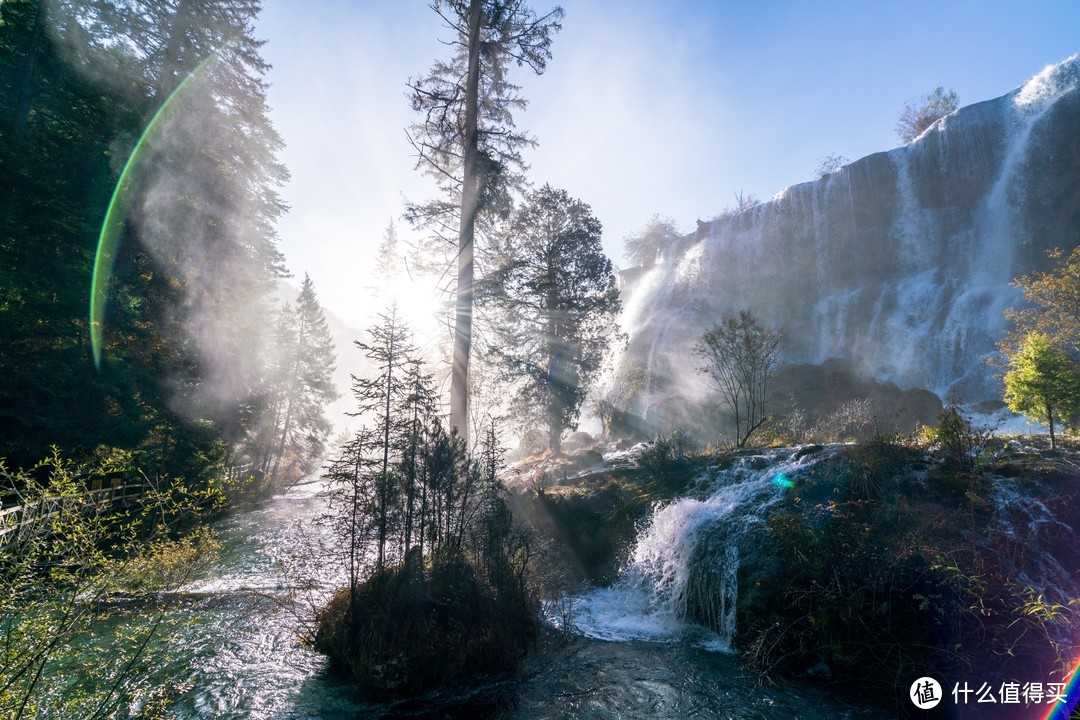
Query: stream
{"x": 239, "y": 656}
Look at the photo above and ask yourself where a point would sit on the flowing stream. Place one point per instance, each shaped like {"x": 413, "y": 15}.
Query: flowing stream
{"x": 630, "y": 655}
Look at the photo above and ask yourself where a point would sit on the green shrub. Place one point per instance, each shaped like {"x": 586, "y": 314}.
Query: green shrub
{"x": 411, "y": 629}
{"x": 667, "y": 454}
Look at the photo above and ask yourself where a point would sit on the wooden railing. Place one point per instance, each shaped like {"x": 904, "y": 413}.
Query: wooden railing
{"x": 101, "y": 492}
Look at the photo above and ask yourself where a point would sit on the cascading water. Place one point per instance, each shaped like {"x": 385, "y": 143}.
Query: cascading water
{"x": 900, "y": 262}
{"x": 681, "y": 580}
{"x": 238, "y": 657}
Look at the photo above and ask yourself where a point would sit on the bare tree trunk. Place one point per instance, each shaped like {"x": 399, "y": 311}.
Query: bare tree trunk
{"x": 1050, "y": 418}
{"x": 470, "y": 195}
{"x": 171, "y": 62}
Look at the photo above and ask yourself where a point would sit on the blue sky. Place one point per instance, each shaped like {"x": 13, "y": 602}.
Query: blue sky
{"x": 647, "y": 106}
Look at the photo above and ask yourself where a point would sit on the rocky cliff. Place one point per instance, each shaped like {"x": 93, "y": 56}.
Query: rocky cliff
{"x": 900, "y": 262}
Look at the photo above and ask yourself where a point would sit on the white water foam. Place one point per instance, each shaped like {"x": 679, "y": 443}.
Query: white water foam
{"x": 687, "y": 557}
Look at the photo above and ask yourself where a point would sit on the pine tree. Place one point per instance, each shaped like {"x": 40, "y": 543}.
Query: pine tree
{"x": 387, "y": 264}
{"x": 468, "y": 143}
{"x": 349, "y": 475}
{"x": 78, "y": 84}
{"x": 554, "y": 291}
{"x": 304, "y": 387}
{"x": 382, "y": 399}
{"x": 419, "y": 409}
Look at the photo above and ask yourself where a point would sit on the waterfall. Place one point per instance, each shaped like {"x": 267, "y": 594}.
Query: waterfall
{"x": 900, "y": 262}
{"x": 681, "y": 579}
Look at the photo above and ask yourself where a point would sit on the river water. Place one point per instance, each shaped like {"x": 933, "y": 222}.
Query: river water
{"x": 239, "y": 656}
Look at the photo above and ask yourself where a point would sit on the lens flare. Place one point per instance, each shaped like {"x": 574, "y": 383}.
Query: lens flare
{"x": 117, "y": 213}
{"x": 781, "y": 480}
{"x": 1063, "y": 710}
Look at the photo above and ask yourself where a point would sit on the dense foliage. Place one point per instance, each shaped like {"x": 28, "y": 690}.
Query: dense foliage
{"x": 1043, "y": 383}
{"x": 73, "y": 570}
{"x": 1052, "y": 305}
{"x": 433, "y": 563}
{"x": 552, "y": 291}
{"x": 184, "y": 376}
{"x": 885, "y": 563}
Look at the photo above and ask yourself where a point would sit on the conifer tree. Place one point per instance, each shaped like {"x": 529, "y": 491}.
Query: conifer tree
{"x": 382, "y": 400}
{"x": 468, "y": 143}
{"x": 387, "y": 263}
{"x": 304, "y": 386}
{"x": 554, "y": 293}
{"x": 78, "y": 84}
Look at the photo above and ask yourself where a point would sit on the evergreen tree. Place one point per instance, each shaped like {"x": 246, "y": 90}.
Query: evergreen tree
{"x": 303, "y": 387}
{"x": 387, "y": 266}
{"x": 554, "y": 292}
{"x": 349, "y": 501}
{"x": 61, "y": 127}
{"x": 78, "y": 84}
{"x": 382, "y": 400}
{"x": 420, "y": 408}
{"x": 468, "y": 143}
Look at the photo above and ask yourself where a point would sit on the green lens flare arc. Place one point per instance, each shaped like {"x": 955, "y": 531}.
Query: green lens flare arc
{"x": 117, "y": 212}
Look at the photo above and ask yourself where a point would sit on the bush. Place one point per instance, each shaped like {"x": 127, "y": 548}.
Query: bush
{"x": 869, "y": 568}
{"x": 959, "y": 443}
{"x": 917, "y": 116}
{"x": 65, "y": 561}
{"x": 856, "y": 420}
{"x": 667, "y": 454}
{"x": 410, "y": 629}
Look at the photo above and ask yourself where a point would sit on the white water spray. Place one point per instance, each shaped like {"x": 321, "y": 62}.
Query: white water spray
{"x": 900, "y": 262}
{"x": 681, "y": 579}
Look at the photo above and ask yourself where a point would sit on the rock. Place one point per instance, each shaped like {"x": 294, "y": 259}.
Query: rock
{"x": 584, "y": 460}
{"x": 577, "y": 441}
{"x": 987, "y": 407}
{"x": 901, "y": 261}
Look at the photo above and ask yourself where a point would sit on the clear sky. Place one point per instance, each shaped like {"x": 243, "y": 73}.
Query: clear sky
{"x": 648, "y": 106}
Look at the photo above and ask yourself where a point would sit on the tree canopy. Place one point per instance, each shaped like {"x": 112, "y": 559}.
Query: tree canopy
{"x": 188, "y": 323}
{"x": 1043, "y": 382}
{"x": 1052, "y": 305}
{"x": 552, "y": 291}
{"x": 468, "y": 142}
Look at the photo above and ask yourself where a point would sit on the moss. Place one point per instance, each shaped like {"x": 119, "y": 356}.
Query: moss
{"x": 882, "y": 564}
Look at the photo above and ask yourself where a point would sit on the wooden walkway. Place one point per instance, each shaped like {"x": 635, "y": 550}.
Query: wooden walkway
{"x": 101, "y": 493}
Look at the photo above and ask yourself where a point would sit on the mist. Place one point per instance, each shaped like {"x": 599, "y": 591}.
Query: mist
{"x": 899, "y": 263}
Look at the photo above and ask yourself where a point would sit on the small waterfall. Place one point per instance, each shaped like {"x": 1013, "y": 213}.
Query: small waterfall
{"x": 681, "y": 579}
